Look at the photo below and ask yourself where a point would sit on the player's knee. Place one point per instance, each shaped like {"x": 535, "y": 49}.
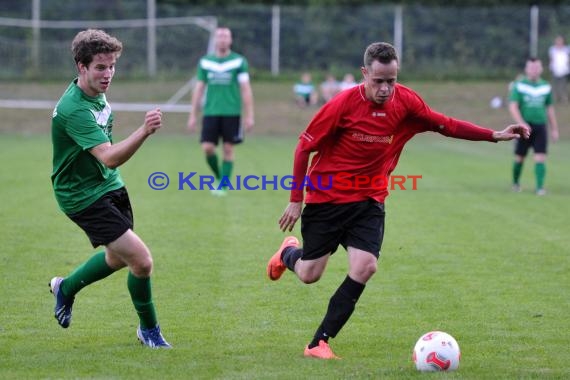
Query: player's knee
{"x": 228, "y": 153}
{"x": 142, "y": 267}
{"x": 309, "y": 278}
{"x": 209, "y": 149}
{"x": 310, "y": 271}
{"x": 369, "y": 269}
{"x": 309, "y": 275}
{"x": 364, "y": 272}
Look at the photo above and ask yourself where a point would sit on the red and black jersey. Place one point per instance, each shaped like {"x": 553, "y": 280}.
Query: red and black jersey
{"x": 358, "y": 144}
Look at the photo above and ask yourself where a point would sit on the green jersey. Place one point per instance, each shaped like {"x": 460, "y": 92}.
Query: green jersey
{"x": 79, "y": 123}
{"x": 533, "y": 99}
{"x": 223, "y": 76}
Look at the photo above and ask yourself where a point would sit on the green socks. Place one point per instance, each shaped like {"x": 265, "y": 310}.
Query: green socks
{"x": 96, "y": 269}
{"x": 540, "y": 173}
{"x": 225, "y": 181}
{"x": 141, "y": 295}
{"x": 213, "y": 164}
{"x": 227, "y": 167}
{"x": 517, "y": 170}
{"x": 92, "y": 270}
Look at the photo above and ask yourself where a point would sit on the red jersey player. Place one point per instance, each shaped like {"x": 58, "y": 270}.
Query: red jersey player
{"x": 358, "y": 137}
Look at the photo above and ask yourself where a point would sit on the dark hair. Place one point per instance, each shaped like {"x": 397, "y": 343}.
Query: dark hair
{"x": 382, "y": 52}
{"x": 91, "y": 42}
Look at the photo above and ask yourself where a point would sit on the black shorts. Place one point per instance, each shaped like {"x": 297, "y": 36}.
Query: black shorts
{"x": 107, "y": 219}
{"x": 226, "y": 127}
{"x": 325, "y": 226}
{"x": 538, "y": 140}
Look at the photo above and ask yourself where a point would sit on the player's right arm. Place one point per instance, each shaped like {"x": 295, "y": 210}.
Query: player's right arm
{"x": 516, "y": 113}
{"x": 197, "y": 95}
{"x": 290, "y": 216}
{"x": 322, "y": 125}
{"x": 114, "y": 155}
{"x": 293, "y": 210}
{"x": 514, "y": 105}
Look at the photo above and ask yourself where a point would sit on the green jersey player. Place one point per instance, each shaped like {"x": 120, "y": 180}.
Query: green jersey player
{"x": 89, "y": 188}
{"x": 224, "y": 89}
{"x": 531, "y": 105}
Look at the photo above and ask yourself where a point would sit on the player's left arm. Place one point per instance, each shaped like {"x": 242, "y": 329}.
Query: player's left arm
{"x": 552, "y": 122}
{"x": 466, "y": 130}
{"x": 460, "y": 129}
{"x": 114, "y": 155}
{"x": 513, "y": 131}
{"x": 247, "y": 100}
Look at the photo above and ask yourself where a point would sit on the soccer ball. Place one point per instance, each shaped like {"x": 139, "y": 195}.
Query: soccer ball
{"x": 436, "y": 351}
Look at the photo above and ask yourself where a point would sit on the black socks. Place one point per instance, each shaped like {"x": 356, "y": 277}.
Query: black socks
{"x": 341, "y": 306}
{"x": 290, "y": 255}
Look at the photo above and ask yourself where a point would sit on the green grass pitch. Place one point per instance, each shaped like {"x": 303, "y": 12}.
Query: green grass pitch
{"x": 461, "y": 254}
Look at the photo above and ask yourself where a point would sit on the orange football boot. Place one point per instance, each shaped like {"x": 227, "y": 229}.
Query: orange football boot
{"x": 275, "y": 266}
{"x": 322, "y": 351}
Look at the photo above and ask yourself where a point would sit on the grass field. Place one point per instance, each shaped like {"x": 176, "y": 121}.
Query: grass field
{"x": 461, "y": 254}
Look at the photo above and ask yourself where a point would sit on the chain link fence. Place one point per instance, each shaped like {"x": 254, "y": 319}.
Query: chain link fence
{"x": 438, "y": 42}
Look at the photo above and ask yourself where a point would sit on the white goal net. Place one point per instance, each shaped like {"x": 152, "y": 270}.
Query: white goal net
{"x": 153, "y": 47}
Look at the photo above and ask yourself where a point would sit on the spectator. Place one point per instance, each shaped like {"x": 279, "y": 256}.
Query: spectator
{"x": 559, "y": 55}
{"x": 305, "y": 93}
{"x": 329, "y": 88}
{"x": 347, "y": 82}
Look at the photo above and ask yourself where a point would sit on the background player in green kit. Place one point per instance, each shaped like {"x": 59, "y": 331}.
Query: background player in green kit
{"x": 531, "y": 105}
{"x": 223, "y": 77}
{"x": 89, "y": 188}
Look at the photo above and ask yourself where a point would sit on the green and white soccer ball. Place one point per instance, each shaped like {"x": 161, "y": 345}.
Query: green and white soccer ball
{"x": 436, "y": 351}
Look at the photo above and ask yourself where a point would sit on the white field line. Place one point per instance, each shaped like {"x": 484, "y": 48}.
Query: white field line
{"x": 129, "y": 107}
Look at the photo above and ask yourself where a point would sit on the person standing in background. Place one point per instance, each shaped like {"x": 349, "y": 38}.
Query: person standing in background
{"x": 347, "y": 82}
{"x": 531, "y": 105}
{"x": 223, "y": 78}
{"x": 329, "y": 88}
{"x": 305, "y": 93}
{"x": 559, "y": 55}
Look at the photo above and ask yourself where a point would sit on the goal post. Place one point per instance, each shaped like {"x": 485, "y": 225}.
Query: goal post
{"x": 151, "y": 24}
{"x": 208, "y": 23}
